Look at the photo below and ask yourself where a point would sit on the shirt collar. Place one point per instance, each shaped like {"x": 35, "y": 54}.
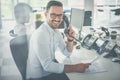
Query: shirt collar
{"x": 49, "y": 28}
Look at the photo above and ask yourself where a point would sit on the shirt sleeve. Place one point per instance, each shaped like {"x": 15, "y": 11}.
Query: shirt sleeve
{"x": 62, "y": 47}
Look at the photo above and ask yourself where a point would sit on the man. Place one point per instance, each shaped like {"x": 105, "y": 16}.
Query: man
{"x": 44, "y": 41}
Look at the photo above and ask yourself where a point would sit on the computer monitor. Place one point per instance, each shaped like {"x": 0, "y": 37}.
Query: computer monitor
{"x": 87, "y": 18}
{"x": 77, "y": 19}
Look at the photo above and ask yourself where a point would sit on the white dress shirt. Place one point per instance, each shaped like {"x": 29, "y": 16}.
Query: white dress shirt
{"x": 43, "y": 44}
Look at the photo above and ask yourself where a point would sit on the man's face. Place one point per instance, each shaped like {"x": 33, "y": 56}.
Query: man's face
{"x": 54, "y": 16}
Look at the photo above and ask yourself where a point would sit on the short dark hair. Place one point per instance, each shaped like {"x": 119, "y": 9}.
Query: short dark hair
{"x": 53, "y": 3}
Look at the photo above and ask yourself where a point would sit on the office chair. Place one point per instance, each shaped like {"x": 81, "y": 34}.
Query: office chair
{"x": 11, "y": 32}
{"x": 38, "y": 23}
{"x": 19, "y": 50}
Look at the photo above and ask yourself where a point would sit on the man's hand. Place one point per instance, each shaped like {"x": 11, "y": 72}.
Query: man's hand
{"x": 81, "y": 67}
{"x": 71, "y": 33}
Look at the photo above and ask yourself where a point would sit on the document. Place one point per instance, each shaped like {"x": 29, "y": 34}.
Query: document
{"x": 95, "y": 68}
{"x": 95, "y": 65}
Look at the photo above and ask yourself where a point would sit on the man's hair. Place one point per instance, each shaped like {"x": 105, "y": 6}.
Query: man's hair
{"x": 53, "y": 3}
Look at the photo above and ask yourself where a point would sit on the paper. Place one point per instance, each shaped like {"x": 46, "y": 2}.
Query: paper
{"x": 95, "y": 68}
{"x": 95, "y": 65}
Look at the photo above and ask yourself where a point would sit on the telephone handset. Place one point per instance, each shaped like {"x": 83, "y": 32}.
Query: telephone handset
{"x": 106, "y": 31}
{"x": 66, "y": 22}
{"x": 89, "y": 41}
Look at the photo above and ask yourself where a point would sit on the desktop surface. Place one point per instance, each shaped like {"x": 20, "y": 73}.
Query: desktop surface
{"x": 112, "y": 69}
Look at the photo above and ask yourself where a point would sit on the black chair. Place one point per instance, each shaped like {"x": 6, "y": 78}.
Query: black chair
{"x": 11, "y": 32}
{"x": 19, "y": 49}
{"x": 38, "y": 23}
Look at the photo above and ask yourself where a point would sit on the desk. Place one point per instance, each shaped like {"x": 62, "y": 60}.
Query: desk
{"x": 113, "y": 69}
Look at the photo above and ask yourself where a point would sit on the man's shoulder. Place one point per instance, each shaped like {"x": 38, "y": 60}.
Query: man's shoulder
{"x": 41, "y": 33}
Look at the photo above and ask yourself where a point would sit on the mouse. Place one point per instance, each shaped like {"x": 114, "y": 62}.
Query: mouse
{"x": 115, "y": 59}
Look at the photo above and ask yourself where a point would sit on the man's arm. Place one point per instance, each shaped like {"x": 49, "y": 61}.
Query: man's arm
{"x": 69, "y": 45}
{"x": 70, "y": 39}
{"x": 76, "y": 68}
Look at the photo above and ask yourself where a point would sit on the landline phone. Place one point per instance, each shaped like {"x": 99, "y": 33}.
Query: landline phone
{"x": 89, "y": 41}
{"x": 108, "y": 46}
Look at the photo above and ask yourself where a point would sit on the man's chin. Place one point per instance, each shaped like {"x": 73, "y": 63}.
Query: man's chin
{"x": 55, "y": 26}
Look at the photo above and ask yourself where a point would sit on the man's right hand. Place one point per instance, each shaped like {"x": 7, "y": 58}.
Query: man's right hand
{"x": 81, "y": 67}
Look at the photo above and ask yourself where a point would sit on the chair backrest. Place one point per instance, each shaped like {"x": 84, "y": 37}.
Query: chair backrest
{"x": 38, "y": 23}
{"x": 19, "y": 49}
{"x": 11, "y": 32}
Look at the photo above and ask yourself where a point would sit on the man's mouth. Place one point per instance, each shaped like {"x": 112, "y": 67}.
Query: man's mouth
{"x": 56, "y": 22}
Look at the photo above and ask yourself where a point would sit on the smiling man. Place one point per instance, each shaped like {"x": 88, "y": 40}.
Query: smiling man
{"x": 54, "y": 16}
{"x": 42, "y": 64}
